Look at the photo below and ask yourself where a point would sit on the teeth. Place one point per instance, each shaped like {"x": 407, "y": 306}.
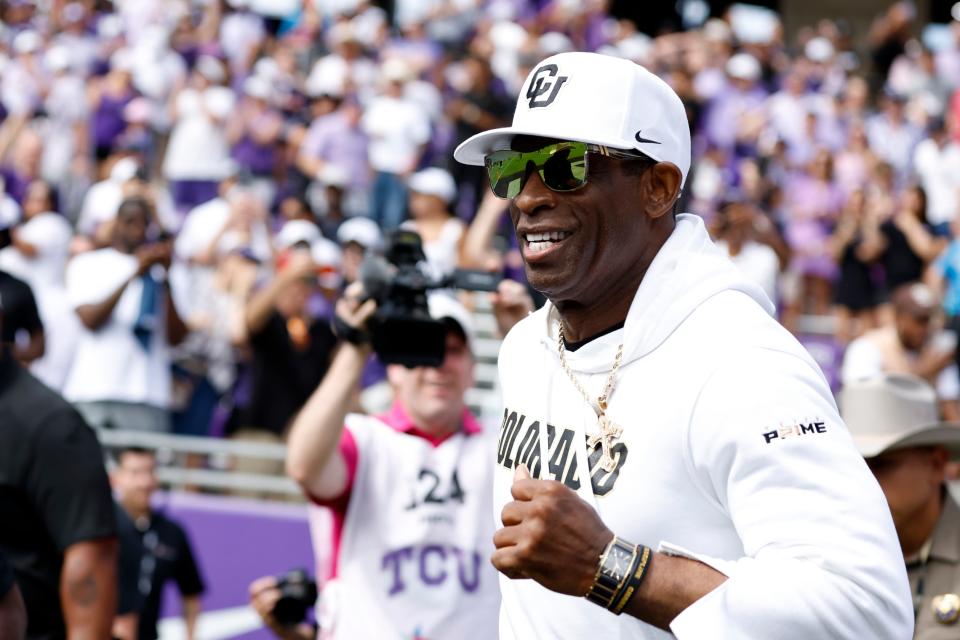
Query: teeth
{"x": 549, "y": 236}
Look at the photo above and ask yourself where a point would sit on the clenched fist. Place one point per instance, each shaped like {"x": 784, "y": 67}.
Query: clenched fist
{"x": 549, "y": 534}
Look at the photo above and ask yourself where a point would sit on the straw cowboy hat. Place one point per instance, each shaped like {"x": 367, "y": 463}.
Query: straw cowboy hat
{"x": 895, "y": 411}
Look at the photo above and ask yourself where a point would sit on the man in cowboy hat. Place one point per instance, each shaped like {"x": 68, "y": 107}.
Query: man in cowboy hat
{"x": 894, "y": 422}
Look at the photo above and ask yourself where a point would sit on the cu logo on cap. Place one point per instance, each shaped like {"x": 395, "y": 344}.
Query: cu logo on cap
{"x": 544, "y": 81}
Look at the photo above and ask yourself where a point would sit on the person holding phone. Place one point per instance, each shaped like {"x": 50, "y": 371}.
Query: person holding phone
{"x": 121, "y": 371}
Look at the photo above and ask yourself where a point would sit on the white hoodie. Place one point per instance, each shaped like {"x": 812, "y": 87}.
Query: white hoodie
{"x": 732, "y": 453}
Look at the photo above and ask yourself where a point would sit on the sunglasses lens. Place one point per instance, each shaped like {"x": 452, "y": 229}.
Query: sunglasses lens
{"x": 562, "y": 167}
{"x": 566, "y": 168}
{"x": 506, "y": 170}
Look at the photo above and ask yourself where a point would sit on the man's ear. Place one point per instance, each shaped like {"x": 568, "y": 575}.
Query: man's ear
{"x": 661, "y": 185}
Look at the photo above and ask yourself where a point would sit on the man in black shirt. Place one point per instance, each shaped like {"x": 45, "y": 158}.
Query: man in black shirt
{"x": 57, "y": 525}
{"x": 130, "y": 601}
{"x": 21, "y": 315}
{"x": 167, "y": 554}
{"x": 291, "y": 348}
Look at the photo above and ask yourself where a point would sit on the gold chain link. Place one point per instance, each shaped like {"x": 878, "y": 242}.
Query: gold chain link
{"x": 601, "y": 407}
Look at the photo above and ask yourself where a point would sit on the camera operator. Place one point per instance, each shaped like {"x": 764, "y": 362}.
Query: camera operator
{"x": 409, "y": 490}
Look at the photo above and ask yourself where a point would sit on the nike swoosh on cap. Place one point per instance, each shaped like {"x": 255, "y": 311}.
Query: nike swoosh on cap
{"x": 638, "y": 138}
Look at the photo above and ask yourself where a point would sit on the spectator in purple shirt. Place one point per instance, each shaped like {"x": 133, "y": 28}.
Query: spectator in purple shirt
{"x": 23, "y": 165}
{"x": 338, "y": 139}
{"x": 253, "y": 131}
{"x": 741, "y": 96}
{"x": 110, "y": 96}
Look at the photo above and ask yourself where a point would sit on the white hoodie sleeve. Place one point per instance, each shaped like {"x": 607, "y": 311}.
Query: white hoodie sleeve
{"x": 821, "y": 554}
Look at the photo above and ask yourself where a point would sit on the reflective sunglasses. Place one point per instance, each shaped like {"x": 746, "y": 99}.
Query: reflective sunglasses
{"x": 562, "y": 166}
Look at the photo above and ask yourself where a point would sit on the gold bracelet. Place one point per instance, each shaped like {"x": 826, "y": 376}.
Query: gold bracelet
{"x": 636, "y": 576}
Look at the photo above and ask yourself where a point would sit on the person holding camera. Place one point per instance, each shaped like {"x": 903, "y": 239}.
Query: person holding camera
{"x": 290, "y": 348}
{"x": 265, "y": 595}
{"x": 121, "y": 370}
{"x": 409, "y": 490}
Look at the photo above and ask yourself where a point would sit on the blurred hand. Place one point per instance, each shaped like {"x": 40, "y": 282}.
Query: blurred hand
{"x": 300, "y": 264}
{"x": 353, "y": 310}
{"x": 164, "y": 253}
{"x": 151, "y": 254}
{"x": 511, "y": 304}
{"x": 263, "y": 598}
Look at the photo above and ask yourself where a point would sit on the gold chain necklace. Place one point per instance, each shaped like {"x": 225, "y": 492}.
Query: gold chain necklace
{"x": 609, "y": 431}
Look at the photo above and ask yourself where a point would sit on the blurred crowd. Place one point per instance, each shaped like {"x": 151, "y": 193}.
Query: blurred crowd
{"x": 188, "y": 186}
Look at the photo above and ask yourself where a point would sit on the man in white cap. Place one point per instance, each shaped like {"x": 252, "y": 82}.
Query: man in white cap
{"x": 628, "y": 422}
{"x": 409, "y": 490}
{"x": 432, "y": 192}
{"x": 24, "y": 80}
{"x": 741, "y": 98}
{"x": 357, "y": 236}
{"x": 399, "y": 130}
{"x": 894, "y": 422}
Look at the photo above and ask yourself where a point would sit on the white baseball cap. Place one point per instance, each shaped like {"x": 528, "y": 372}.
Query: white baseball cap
{"x": 123, "y": 170}
{"x": 27, "y": 41}
{"x": 297, "y": 231}
{"x": 818, "y": 49}
{"x": 211, "y": 68}
{"x": 443, "y": 305}
{"x": 122, "y": 60}
{"x": 58, "y": 58}
{"x": 743, "y": 66}
{"x": 329, "y": 259}
{"x": 396, "y": 70}
{"x": 363, "y": 231}
{"x": 434, "y": 181}
{"x": 589, "y": 97}
{"x": 257, "y": 87}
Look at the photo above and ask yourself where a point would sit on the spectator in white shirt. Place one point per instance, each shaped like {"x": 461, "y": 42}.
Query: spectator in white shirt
{"x": 241, "y": 33}
{"x": 398, "y": 129}
{"x": 75, "y": 37}
{"x": 432, "y": 191}
{"x": 737, "y": 229}
{"x": 910, "y": 346}
{"x": 346, "y": 63}
{"x": 38, "y": 255}
{"x": 937, "y": 163}
{"x": 197, "y": 157}
{"x": 892, "y": 136}
{"x": 233, "y": 222}
{"x": 65, "y": 134}
{"x": 24, "y": 81}
{"x": 121, "y": 371}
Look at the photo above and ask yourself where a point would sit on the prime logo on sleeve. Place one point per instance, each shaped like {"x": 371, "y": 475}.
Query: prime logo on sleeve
{"x": 802, "y": 428}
